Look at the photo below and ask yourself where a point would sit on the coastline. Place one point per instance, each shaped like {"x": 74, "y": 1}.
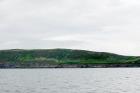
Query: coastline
{"x": 77, "y": 66}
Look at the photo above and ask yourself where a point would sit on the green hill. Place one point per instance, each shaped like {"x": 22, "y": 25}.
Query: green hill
{"x": 63, "y": 58}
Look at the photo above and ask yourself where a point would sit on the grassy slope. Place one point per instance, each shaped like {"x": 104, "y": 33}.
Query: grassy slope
{"x": 64, "y": 56}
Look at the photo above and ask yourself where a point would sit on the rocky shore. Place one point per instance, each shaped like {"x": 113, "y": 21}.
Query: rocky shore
{"x": 68, "y": 65}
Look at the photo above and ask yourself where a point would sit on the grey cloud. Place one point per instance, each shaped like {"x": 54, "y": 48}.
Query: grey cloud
{"x": 34, "y": 44}
{"x": 102, "y": 25}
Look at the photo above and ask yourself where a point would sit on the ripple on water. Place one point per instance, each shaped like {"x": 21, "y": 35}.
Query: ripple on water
{"x": 93, "y": 80}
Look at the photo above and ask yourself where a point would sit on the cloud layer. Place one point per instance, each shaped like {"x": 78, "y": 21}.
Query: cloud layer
{"x": 98, "y": 25}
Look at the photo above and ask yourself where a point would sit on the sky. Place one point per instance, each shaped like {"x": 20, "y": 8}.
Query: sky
{"x": 96, "y": 25}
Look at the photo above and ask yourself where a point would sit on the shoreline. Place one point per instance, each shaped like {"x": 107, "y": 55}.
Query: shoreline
{"x": 72, "y": 66}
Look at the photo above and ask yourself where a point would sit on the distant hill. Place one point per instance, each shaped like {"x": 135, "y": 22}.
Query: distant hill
{"x": 45, "y": 58}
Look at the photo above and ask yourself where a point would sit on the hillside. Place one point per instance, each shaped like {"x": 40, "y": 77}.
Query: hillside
{"x": 18, "y": 58}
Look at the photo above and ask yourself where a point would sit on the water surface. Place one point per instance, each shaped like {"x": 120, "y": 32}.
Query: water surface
{"x": 75, "y": 80}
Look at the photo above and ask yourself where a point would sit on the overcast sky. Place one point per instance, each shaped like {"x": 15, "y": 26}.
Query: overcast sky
{"x": 98, "y": 25}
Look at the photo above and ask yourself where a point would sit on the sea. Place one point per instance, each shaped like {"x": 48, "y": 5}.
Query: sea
{"x": 70, "y": 80}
